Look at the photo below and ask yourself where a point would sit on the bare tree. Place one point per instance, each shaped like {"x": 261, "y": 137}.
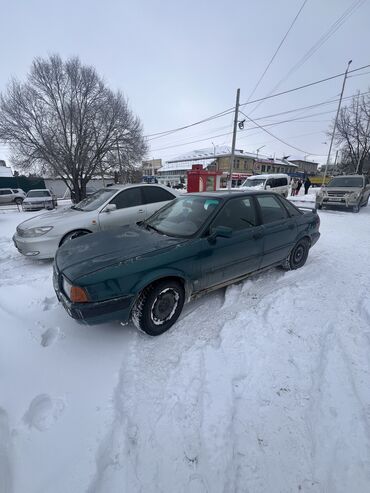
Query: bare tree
{"x": 352, "y": 133}
{"x": 65, "y": 121}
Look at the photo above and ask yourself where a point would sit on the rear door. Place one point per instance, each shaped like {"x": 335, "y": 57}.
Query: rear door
{"x": 229, "y": 258}
{"x": 155, "y": 198}
{"x": 6, "y": 196}
{"x": 130, "y": 209}
{"x": 279, "y": 229}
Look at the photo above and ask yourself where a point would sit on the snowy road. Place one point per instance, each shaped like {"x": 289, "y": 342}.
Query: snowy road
{"x": 262, "y": 387}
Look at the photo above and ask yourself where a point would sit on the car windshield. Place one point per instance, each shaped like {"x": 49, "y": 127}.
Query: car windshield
{"x": 38, "y": 193}
{"x": 256, "y": 182}
{"x": 346, "y": 182}
{"x": 95, "y": 200}
{"x": 183, "y": 217}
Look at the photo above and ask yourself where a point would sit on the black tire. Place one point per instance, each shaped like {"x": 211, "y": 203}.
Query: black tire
{"x": 356, "y": 208}
{"x": 158, "y": 307}
{"x": 72, "y": 235}
{"x": 18, "y": 201}
{"x": 319, "y": 206}
{"x": 298, "y": 256}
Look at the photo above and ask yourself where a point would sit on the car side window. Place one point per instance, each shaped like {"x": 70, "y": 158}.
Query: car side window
{"x": 5, "y": 192}
{"x": 15, "y": 191}
{"x": 270, "y": 182}
{"x": 237, "y": 214}
{"x": 292, "y": 209}
{"x": 271, "y": 209}
{"x": 156, "y": 194}
{"x": 128, "y": 198}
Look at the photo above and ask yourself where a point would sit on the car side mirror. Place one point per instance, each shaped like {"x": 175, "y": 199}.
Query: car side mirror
{"x": 268, "y": 187}
{"x": 110, "y": 208}
{"x": 221, "y": 231}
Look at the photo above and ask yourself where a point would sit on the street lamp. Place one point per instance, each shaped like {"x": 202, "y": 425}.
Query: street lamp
{"x": 259, "y": 150}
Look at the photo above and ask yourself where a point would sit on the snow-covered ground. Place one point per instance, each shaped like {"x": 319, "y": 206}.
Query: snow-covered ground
{"x": 262, "y": 387}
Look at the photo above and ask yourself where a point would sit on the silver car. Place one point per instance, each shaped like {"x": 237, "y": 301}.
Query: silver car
{"x": 107, "y": 208}
{"x": 38, "y": 199}
{"x": 349, "y": 191}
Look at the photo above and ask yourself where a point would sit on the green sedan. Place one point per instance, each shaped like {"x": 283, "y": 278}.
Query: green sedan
{"x": 195, "y": 244}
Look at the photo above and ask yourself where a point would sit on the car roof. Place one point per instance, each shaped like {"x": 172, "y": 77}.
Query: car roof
{"x": 348, "y": 176}
{"x": 268, "y": 175}
{"x": 119, "y": 186}
{"x": 226, "y": 194}
{"x": 39, "y": 190}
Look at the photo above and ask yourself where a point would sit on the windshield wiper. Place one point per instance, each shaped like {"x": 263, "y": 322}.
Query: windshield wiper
{"x": 75, "y": 208}
{"x": 149, "y": 226}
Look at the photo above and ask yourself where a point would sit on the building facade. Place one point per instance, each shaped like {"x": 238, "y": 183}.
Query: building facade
{"x": 307, "y": 167}
{"x": 151, "y": 167}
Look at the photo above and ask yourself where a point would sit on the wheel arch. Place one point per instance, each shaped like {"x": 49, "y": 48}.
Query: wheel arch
{"x": 85, "y": 230}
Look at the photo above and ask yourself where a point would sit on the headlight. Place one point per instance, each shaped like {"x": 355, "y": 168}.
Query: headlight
{"x": 75, "y": 293}
{"x": 36, "y": 231}
{"x": 354, "y": 195}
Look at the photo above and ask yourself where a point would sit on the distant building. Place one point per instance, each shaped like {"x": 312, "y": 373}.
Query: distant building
{"x": 218, "y": 158}
{"x": 151, "y": 167}
{"x": 308, "y": 167}
{"x": 5, "y": 171}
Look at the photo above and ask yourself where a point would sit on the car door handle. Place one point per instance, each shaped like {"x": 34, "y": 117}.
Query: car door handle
{"x": 141, "y": 211}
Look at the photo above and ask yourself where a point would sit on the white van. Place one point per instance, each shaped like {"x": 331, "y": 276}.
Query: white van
{"x": 276, "y": 182}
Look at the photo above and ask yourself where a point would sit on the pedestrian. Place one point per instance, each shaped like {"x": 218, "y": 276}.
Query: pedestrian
{"x": 294, "y": 187}
{"x": 307, "y": 184}
{"x": 299, "y": 184}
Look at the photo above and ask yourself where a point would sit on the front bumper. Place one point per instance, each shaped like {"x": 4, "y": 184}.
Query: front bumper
{"x": 336, "y": 201}
{"x": 36, "y": 206}
{"x": 40, "y": 247}
{"x": 94, "y": 312}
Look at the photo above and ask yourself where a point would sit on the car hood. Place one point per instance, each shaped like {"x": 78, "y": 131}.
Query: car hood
{"x": 255, "y": 187}
{"x": 342, "y": 189}
{"x": 50, "y": 218}
{"x": 99, "y": 250}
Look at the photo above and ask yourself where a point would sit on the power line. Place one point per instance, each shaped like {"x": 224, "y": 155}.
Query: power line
{"x": 316, "y": 46}
{"x": 277, "y": 50}
{"x": 230, "y": 110}
{"x": 300, "y": 118}
{"x": 275, "y": 137}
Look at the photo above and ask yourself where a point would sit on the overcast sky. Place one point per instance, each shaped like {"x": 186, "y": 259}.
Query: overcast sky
{"x": 179, "y": 62}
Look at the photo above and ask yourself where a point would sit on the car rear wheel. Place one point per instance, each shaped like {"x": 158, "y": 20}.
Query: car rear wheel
{"x": 18, "y": 201}
{"x": 298, "y": 255}
{"x": 158, "y": 307}
{"x": 73, "y": 234}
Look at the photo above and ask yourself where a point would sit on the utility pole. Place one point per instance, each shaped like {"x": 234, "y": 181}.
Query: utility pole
{"x": 335, "y": 122}
{"x": 360, "y": 156}
{"x": 234, "y": 138}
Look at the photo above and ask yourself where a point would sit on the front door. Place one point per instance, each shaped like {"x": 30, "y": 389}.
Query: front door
{"x": 224, "y": 259}
{"x": 130, "y": 209}
{"x": 279, "y": 229}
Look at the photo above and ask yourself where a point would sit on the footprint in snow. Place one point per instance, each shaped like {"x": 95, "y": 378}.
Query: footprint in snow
{"x": 50, "y": 336}
{"x": 48, "y": 303}
{"x": 43, "y": 412}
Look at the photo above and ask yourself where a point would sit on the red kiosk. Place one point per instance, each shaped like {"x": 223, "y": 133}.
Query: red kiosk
{"x": 201, "y": 180}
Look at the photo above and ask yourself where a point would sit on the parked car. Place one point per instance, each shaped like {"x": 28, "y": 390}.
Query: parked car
{"x": 349, "y": 191}
{"x": 275, "y": 182}
{"x": 197, "y": 243}
{"x": 11, "y": 196}
{"x": 38, "y": 199}
{"x": 108, "y": 207}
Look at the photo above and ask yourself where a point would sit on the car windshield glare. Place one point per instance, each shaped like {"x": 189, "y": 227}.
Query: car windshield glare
{"x": 95, "y": 200}
{"x": 253, "y": 183}
{"x": 38, "y": 193}
{"x": 351, "y": 181}
{"x": 184, "y": 216}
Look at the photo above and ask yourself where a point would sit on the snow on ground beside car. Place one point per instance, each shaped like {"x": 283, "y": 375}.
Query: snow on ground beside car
{"x": 259, "y": 387}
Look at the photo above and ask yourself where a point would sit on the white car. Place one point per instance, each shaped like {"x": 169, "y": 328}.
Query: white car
{"x": 276, "y": 182}
{"x": 38, "y": 199}
{"x": 107, "y": 208}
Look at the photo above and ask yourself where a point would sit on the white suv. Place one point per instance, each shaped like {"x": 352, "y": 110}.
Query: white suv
{"x": 11, "y": 196}
{"x": 277, "y": 182}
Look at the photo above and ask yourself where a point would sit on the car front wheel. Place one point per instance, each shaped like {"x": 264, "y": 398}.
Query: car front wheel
{"x": 356, "y": 208}
{"x": 158, "y": 307}
{"x": 298, "y": 255}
